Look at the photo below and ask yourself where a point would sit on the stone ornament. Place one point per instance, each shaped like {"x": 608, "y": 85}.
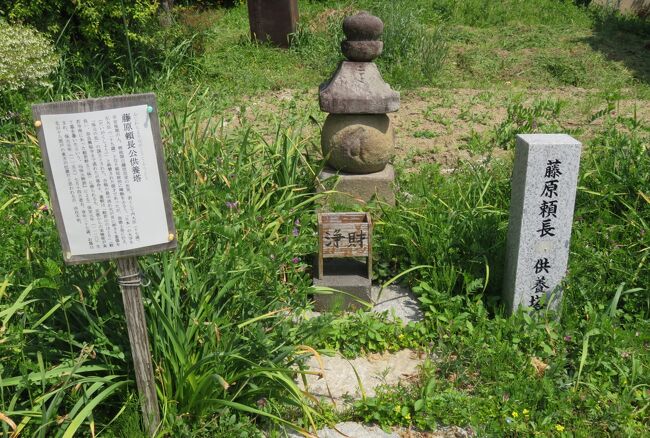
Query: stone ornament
{"x": 358, "y": 136}
{"x": 362, "y": 27}
{"x": 362, "y": 32}
{"x": 364, "y": 51}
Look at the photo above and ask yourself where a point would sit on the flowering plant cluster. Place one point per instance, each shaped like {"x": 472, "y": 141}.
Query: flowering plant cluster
{"x": 26, "y": 57}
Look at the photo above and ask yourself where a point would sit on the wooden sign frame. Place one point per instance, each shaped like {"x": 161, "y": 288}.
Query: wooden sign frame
{"x": 344, "y": 224}
{"x": 129, "y": 276}
{"x": 106, "y": 103}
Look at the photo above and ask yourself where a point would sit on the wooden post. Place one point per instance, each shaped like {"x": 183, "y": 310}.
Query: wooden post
{"x": 129, "y": 278}
{"x": 369, "y": 262}
{"x": 320, "y": 248}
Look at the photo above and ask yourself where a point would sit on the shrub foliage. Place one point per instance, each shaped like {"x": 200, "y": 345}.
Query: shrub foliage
{"x": 107, "y": 33}
{"x": 19, "y": 67}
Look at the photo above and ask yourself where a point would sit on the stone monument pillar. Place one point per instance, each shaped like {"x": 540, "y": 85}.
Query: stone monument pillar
{"x": 357, "y": 138}
{"x": 272, "y": 20}
{"x": 544, "y": 182}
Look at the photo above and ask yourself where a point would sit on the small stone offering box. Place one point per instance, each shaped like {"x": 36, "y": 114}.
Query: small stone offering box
{"x": 345, "y": 237}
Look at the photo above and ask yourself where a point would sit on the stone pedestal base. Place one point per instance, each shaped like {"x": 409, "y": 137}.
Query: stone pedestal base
{"x": 347, "y": 275}
{"x": 356, "y": 189}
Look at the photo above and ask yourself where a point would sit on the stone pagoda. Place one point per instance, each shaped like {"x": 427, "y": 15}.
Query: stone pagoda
{"x": 358, "y": 138}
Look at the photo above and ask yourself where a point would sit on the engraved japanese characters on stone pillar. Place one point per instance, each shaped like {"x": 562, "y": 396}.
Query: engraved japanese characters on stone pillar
{"x": 544, "y": 184}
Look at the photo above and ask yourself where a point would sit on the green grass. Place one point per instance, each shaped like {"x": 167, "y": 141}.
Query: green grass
{"x": 483, "y": 372}
{"x": 226, "y": 348}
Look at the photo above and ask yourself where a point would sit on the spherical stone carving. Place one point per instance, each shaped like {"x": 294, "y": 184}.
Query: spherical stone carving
{"x": 361, "y": 51}
{"x": 362, "y": 27}
{"x": 358, "y": 143}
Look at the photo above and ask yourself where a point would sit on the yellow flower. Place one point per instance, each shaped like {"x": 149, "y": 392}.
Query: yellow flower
{"x": 559, "y": 427}
{"x": 398, "y": 409}
{"x": 515, "y": 414}
{"x": 525, "y": 412}
{"x": 407, "y": 415}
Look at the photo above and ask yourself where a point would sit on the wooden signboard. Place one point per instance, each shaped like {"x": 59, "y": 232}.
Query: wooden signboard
{"x": 344, "y": 235}
{"x": 106, "y": 175}
{"x": 109, "y": 193}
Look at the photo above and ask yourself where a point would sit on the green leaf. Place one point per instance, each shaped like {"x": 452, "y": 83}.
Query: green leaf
{"x": 88, "y": 409}
{"x": 430, "y": 387}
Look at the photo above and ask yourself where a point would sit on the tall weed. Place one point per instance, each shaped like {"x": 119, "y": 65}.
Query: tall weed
{"x": 414, "y": 53}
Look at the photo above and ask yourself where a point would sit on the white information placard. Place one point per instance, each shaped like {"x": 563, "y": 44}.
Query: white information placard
{"x": 103, "y": 170}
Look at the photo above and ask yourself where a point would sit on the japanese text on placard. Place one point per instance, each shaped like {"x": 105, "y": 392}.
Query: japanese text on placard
{"x": 352, "y": 239}
{"x": 105, "y": 172}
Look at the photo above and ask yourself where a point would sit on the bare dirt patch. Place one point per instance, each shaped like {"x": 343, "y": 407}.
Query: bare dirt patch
{"x": 437, "y": 125}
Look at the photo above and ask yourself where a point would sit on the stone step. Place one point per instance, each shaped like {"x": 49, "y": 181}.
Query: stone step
{"x": 347, "y": 379}
{"x": 350, "y": 429}
{"x": 396, "y": 300}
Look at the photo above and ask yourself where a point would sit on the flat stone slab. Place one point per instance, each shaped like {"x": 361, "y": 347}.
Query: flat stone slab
{"x": 398, "y": 301}
{"x": 340, "y": 381}
{"x": 273, "y": 20}
{"x": 357, "y": 88}
{"x": 395, "y": 300}
{"x": 350, "y": 429}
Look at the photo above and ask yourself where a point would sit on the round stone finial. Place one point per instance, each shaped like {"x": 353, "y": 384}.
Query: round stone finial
{"x": 362, "y": 27}
{"x": 362, "y": 32}
{"x": 361, "y": 51}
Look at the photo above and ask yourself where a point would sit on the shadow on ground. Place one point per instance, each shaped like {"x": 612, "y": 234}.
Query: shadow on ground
{"x": 625, "y": 39}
